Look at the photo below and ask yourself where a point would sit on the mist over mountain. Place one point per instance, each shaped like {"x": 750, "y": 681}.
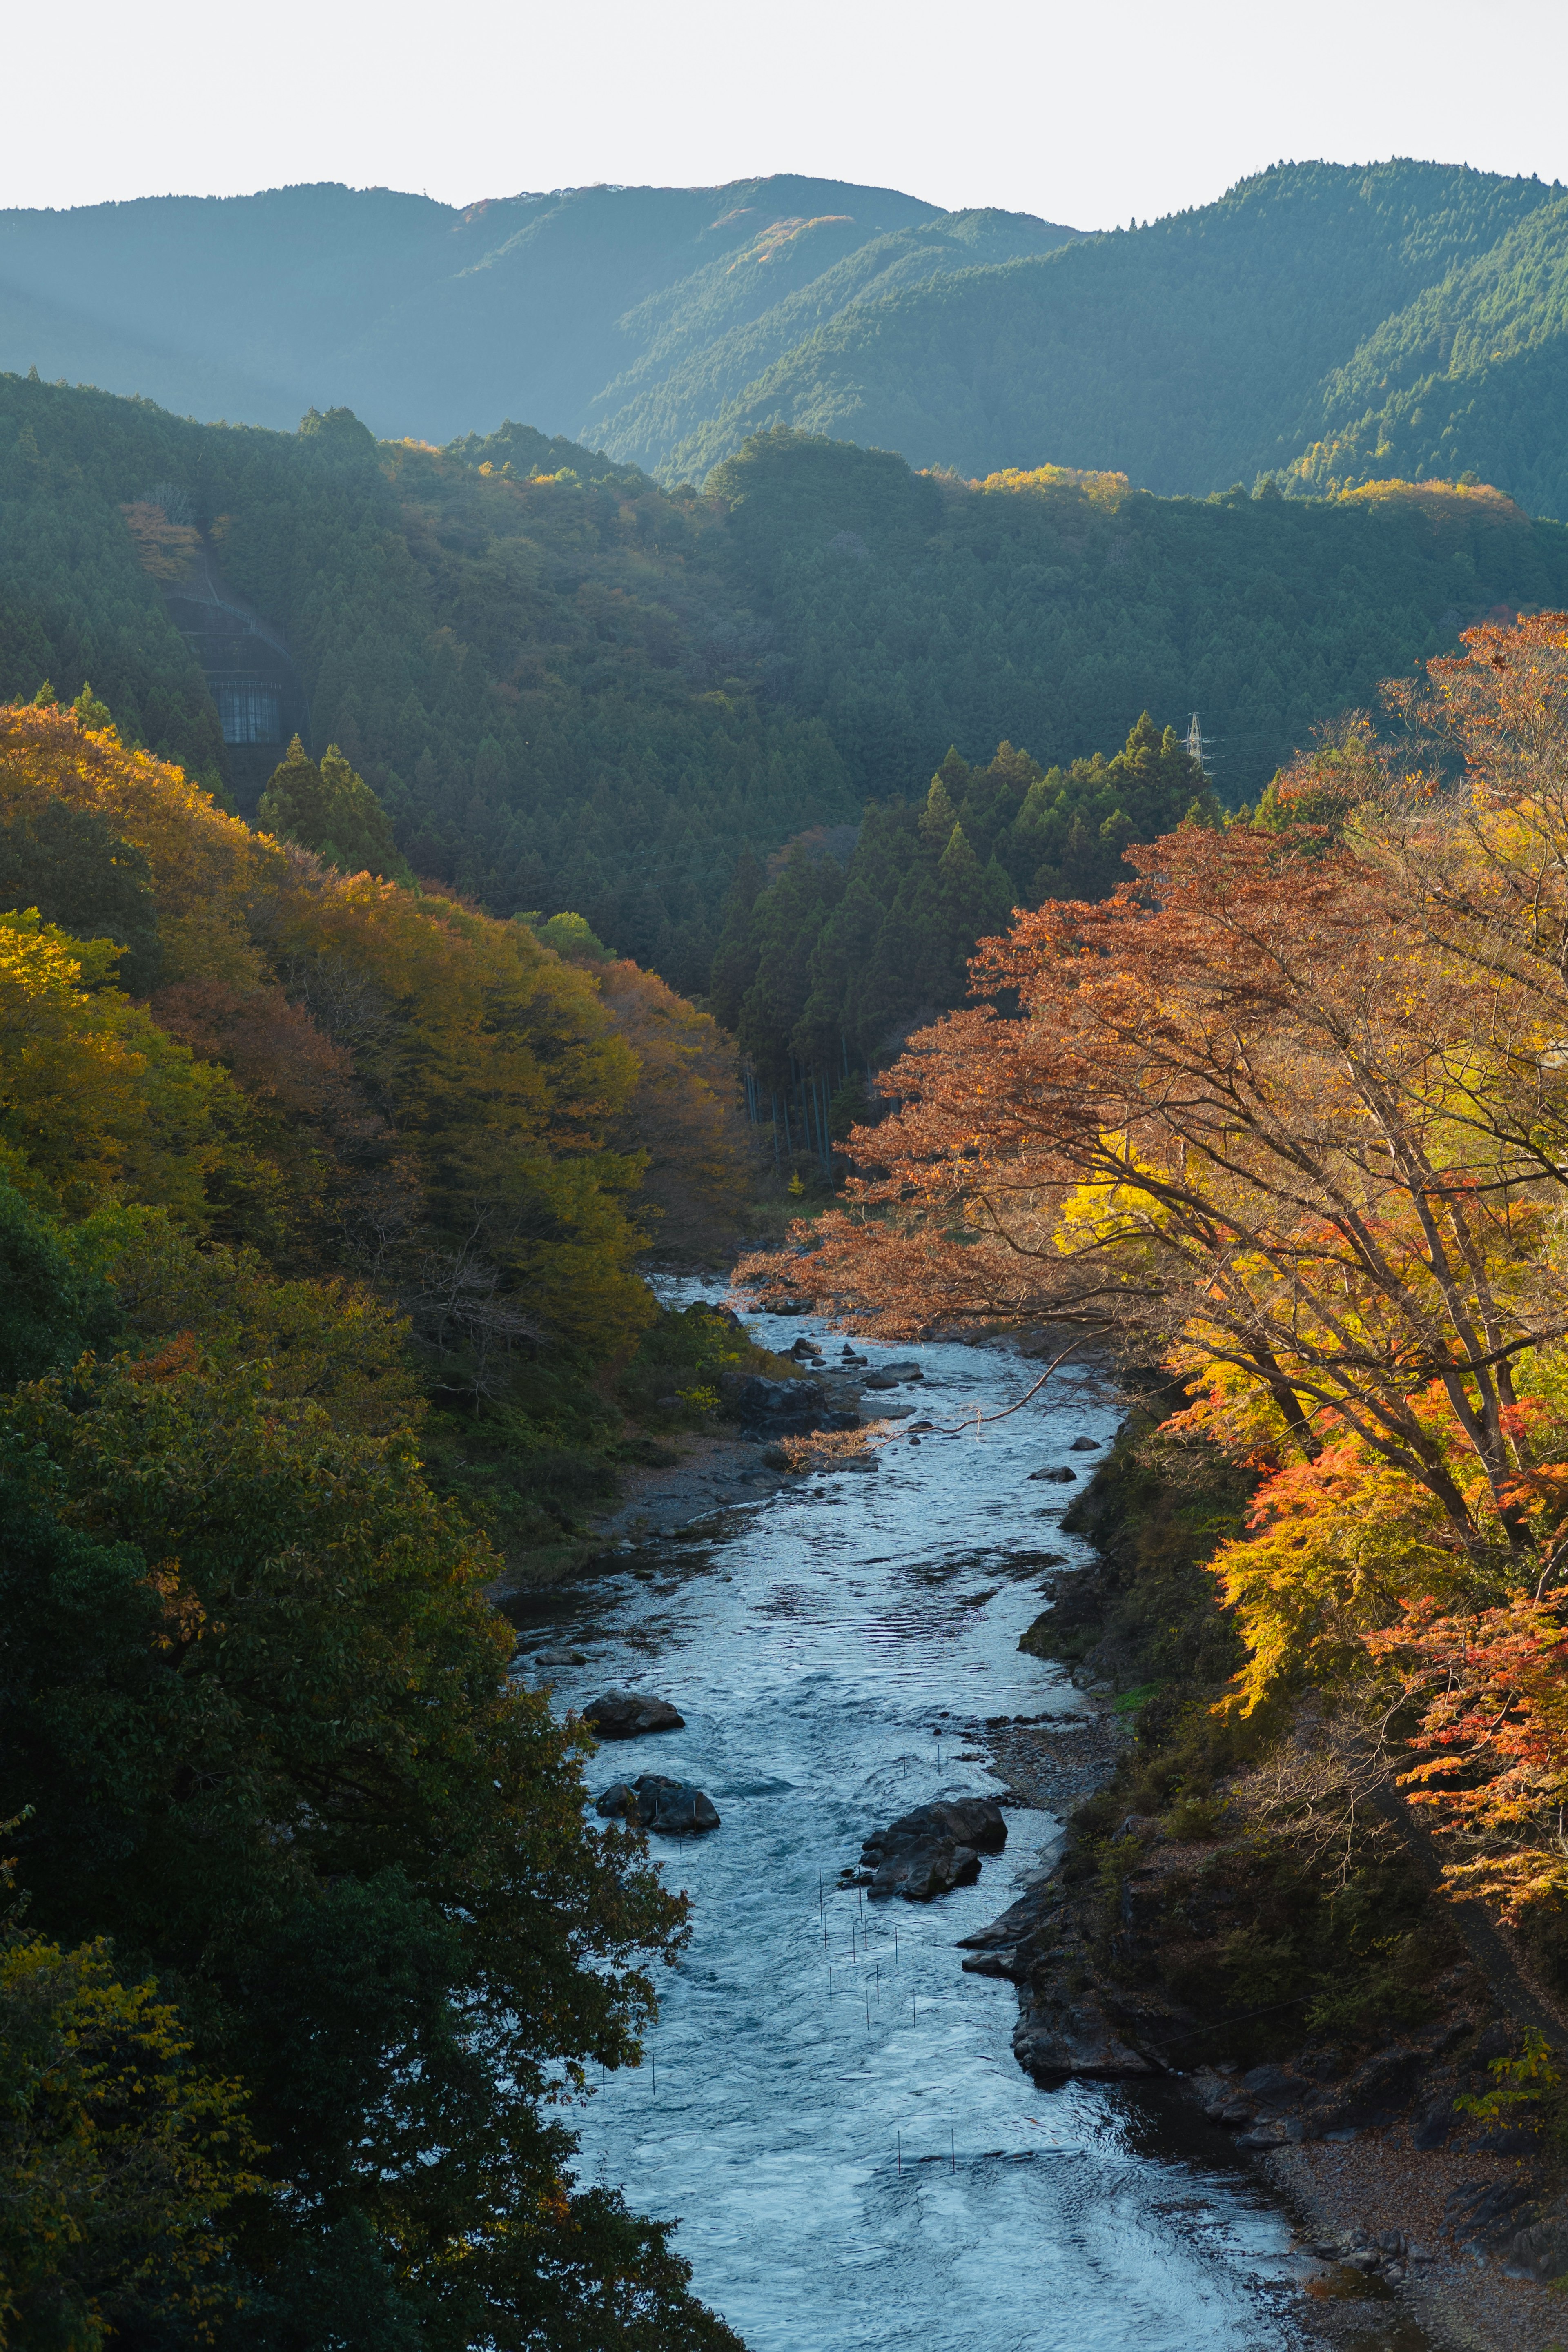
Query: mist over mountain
{"x": 640, "y": 310}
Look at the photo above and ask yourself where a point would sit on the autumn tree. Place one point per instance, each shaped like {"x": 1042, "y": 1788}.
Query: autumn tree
{"x": 1289, "y": 1113}
{"x": 1224, "y": 1126}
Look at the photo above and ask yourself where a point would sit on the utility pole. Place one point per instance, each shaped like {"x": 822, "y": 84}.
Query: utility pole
{"x": 1196, "y": 743}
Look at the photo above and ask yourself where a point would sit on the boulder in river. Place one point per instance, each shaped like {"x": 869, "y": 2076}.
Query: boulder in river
{"x": 932, "y": 1850}
{"x": 627, "y": 1714}
{"x": 1061, "y": 1477}
{"x": 919, "y": 1873}
{"x": 1084, "y": 1445}
{"x": 653, "y": 1801}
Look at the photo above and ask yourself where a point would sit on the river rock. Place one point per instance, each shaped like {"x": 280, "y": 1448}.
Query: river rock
{"x": 931, "y": 1850}
{"x": 1022, "y": 1922}
{"x": 1501, "y": 2217}
{"x": 1075, "y": 2037}
{"x": 1062, "y": 1477}
{"x": 1372, "y": 2096}
{"x": 970, "y": 1820}
{"x": 1436, "y": 2128}
{"x": 1540, "y": 2251}
{"x": 780, "y": 1408}
{"x": 653, "y": 1801}
{"x": 628, "y": 1715}
{"x": 1084, "y": 1445}
{"x": 922, "y": 1873}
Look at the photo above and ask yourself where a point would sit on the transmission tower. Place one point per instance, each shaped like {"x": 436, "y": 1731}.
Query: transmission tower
{"x": 1195, "y": 744}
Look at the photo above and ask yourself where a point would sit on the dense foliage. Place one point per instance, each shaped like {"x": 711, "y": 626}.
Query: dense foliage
{"x": 552, "y": 683}
{"x": 354, "y": 1080}
{"x": 1410, "y": 313}
{"x": 313, "y": 1944}
{"x": 1287, "y": 1112}
{"x": 571, "y": 689}
{"x": 1049, "y": 609}
{"x": 830, "y": 963}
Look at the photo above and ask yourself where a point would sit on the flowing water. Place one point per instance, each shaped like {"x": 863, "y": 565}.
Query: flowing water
{"x": 830, "y": 2107}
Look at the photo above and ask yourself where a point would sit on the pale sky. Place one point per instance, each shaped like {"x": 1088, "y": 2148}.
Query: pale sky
{"x": 1087, "y": 114}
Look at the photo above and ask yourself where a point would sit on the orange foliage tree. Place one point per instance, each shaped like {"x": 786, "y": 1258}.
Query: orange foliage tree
{"x": 1290, "y": 1113}
{"x": 1224, "y": 1126}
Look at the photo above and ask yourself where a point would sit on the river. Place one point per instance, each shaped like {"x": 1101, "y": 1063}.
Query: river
{"x": 830, "y": 2107}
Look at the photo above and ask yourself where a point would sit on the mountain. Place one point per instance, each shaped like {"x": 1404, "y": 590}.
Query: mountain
{"x": 572, "y": 689}
{"x": 1328, "y": 323}
{"x": 1307, "y": 305}
{"x": 650, "y": 307}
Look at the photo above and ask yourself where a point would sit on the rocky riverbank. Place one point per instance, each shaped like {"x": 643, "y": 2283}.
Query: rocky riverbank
{"x": 1184, "y": 1934}
{"x": 750, "y": 1445}
{"x": 753, "y": 1445}
{"x": 1407, "y": 2206}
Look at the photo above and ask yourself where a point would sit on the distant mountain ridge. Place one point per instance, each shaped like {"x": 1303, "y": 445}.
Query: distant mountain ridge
{"x": 1321, "y": 323}
{"x": 432, "y": 323}
{"x": 1253, "y": 335}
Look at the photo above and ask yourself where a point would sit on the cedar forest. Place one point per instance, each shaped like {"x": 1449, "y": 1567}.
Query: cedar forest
{"x": 815, "y": 858}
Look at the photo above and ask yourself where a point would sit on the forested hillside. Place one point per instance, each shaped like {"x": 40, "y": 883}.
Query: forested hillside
{"x": 573, "y": 690}
{"x": 1333, "y": 324}
{"x": 1472, "y": 377}
{"x": 823, "y": 969}
{"x": 317, "y": 1300}
{"x": 1219, "y": 343}
{"x": 568, "y": 308}
{"x": 556, "y": 686}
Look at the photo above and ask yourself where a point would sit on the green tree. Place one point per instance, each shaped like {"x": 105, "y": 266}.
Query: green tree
{"x": 53, "y": 1302}
{"x": 257, "y": 1704}
{"x": 333, "y": 811}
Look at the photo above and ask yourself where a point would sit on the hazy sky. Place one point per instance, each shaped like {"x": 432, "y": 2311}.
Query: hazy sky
{"x": 1090, "y": 114}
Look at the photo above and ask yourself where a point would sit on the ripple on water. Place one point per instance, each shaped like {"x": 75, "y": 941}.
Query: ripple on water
{"x": 828, "y": 2104}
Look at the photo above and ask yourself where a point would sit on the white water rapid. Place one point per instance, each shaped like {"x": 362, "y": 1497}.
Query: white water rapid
{"x": 830, "y": 2107}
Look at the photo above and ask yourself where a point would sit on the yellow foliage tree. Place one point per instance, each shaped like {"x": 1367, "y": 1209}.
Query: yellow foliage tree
{"x": 117, "y": 2157}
